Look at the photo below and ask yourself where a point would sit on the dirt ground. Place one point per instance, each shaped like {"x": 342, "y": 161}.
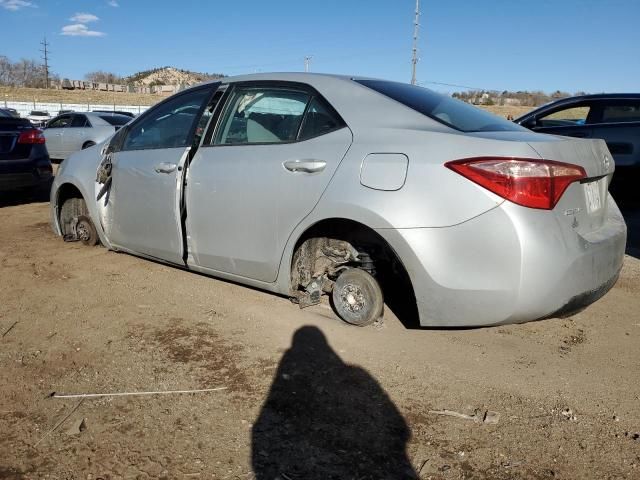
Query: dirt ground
{"x": 305, "y": 395}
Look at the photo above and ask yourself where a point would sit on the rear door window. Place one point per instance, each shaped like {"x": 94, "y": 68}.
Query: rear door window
{"x": 321, "y": 118}
{"x": 262, "y": 115}
{"x": 621, "y": 112}
{"x": 80, "y": 121}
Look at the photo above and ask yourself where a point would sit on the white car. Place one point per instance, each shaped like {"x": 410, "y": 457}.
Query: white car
{"x": 38, "y": 117}
{"x": 71, "y": 132}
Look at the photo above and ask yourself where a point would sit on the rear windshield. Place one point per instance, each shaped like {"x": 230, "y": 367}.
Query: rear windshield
{"x": 37, "y": 113}
{"x": 116, "y": 119}
{"x": 443, "y": 109}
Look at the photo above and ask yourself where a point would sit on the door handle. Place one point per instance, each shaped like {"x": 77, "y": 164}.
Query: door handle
{"x": 306, "y": 166}
{"x": 578, "y": 134}
{"x": 165, "y": 167}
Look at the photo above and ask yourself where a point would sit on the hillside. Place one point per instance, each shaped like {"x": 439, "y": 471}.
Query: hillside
{"x": 169, "y": 76}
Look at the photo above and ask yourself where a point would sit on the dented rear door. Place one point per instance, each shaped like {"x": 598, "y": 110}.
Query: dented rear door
{"x": 249, "y": 188}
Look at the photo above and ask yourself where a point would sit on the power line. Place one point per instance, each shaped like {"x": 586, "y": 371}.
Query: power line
{"x": 45, "y": 57}
{"x": 457, "y": 86}
{"x": 414, "y": 58}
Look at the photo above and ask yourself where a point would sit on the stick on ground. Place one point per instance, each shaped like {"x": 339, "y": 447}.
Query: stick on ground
{"x": 123, "y": 394}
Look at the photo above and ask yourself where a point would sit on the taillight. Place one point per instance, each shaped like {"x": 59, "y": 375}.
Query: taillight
{"x": 31, "y": 136}
{"x": 525, "y": 181}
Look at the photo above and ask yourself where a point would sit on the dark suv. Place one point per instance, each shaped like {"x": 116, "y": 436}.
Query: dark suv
{"x": 613, "y": 117}
{"x": 24, "y": 160}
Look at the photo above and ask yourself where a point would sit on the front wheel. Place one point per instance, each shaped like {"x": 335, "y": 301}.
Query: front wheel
{"x": 86, "y": 231}
{"x": 357, "y": 297}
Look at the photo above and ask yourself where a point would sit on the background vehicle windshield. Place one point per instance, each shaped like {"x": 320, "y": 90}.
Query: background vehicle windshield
{"x": 443, "y": 109}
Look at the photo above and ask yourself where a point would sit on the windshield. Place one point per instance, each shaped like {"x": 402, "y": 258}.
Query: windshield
{"x": 443, "y": 109}
{"x": 116, "y": 119}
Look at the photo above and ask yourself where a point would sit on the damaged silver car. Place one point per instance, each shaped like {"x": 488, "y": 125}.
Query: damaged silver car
{"x": 368, "y": 191}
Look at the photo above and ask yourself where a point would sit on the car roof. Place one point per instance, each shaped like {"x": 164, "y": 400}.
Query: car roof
{"x": 346, "y": 96}
{"x": 603, "y": 96}
{"x": 283, "y": 76}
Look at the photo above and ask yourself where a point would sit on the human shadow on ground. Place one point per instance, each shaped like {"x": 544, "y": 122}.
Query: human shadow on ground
{"x": 324, "y": 419}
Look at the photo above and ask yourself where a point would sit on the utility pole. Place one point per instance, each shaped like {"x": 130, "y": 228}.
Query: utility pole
{"x": 45, "y": 57}
{"x": 307, "y": 62}
{"x": 414, "y": 58}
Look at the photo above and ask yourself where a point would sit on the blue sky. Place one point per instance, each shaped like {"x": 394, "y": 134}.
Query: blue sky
{"x": 571, "y": 45}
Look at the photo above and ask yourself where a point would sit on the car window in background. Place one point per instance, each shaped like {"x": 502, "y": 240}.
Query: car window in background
{"x": 446, "y": 110}
{"x": 569, "y": 117}
{"x": 116, "y": 120}
{"x": 38, "y": 113}
{"x": 79, "y": 121}
{"x": 4, "y": 114}
{"x": 621, "y": 113}
{"x": 257, "y": 115}
{"x": 320, "y": 119}
{"x": 60, "y": 122}
{"x": 168, "y": 125}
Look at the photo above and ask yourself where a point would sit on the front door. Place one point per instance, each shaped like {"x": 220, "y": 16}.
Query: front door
{"x": 54, "y": 133}
{"x": 274, "y": 151}
{"x": 144, "y": 214}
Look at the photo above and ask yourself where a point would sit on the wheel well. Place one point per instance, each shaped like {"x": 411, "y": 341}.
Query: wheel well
{"x": 389, "y": 269}
{"x": 70, "y": 205}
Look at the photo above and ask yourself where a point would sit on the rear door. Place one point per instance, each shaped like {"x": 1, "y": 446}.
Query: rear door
{"x": 571, "y": 120}
{"x": 76, "y": 133}
{"x": 54, "y": 133}
{"x": 618, "y": 124}
{"x": 144, "y": 211}
{"x": 274, "y": 150}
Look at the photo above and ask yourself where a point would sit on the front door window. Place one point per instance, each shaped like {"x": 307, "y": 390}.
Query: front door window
{"x": 169, "y": 125}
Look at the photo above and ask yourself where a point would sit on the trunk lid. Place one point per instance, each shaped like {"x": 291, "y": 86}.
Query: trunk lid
{"x": 585, "y": 203}
{"x": 592, "y": 155}
{"x": 10, "y": 130}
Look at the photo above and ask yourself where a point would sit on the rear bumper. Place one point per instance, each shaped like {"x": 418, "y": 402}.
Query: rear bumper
{"x": 17, "y": 181}
{"x": 25, "y": 173}
{"x": 509, "y": 265}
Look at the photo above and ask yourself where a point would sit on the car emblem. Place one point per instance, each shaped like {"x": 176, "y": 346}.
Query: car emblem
{"x": 606, "y": 162}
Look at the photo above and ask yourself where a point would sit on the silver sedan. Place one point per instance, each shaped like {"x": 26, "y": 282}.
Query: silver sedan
{"x": 70, "y": 132}
{"x": 369, "y": 191}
